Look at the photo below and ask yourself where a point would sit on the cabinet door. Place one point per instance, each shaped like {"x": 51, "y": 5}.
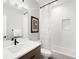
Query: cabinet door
{"x": 34, "y": 54}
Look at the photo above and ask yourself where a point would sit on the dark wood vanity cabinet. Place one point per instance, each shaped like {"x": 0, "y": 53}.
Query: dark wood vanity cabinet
{"x": 34, "y": 54}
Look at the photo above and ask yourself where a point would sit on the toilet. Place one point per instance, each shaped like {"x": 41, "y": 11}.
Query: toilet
{"x": 45, "y": 53}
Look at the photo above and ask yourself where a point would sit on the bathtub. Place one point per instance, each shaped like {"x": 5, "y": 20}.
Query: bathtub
{"x": 60, "y": 54}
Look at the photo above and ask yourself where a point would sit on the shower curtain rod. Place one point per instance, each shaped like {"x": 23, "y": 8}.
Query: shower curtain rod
{"x": 48, "y": 3}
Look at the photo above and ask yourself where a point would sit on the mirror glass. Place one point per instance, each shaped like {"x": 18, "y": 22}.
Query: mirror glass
{"x": 15, "y": 20}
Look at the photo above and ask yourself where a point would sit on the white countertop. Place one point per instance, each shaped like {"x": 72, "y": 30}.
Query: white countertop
{"x": 24, "y": 47}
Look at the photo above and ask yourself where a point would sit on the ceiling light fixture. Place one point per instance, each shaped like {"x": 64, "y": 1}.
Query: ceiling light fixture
{"x": 20, "y": 5}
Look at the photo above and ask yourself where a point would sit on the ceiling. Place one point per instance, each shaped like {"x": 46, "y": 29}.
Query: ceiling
{"x": 43, "y": 2}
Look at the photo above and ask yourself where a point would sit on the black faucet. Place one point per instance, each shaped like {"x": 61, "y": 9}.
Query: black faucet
{"x": 15, "y": 41}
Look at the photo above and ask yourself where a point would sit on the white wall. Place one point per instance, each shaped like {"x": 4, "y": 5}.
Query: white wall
{"x": 4, "y": 26}
{"x": 51, "y": 21}
{"x": 34, "y": 10}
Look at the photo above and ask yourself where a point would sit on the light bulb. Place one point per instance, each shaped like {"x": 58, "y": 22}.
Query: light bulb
{"x": 19, "y": 6}
{"x": 55, "y": 2}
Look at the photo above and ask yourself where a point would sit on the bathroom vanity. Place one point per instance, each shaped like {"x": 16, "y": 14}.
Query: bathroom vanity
{"x": 34, "y": 54}
{"x": 26, "y": 49}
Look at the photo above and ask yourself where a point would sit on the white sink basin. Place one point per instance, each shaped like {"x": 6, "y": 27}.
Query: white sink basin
{"x": 16, "y": 48}
{"x": 7, "y": 43}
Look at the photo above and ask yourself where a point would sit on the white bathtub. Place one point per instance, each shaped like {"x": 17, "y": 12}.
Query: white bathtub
{"x": 62, "y": 54}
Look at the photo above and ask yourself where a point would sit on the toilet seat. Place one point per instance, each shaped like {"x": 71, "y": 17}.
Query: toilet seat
{"x": 45, "y": 52}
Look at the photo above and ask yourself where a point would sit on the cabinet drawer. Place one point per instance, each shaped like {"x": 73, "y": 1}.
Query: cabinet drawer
{"x": 34, "y": 54}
